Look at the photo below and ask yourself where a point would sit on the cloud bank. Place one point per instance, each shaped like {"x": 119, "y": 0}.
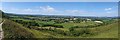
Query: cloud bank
{"x": 49, "y": 10}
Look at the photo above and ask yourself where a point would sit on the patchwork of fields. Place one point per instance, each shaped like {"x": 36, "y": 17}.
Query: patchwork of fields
{"x": 41, "y": 28}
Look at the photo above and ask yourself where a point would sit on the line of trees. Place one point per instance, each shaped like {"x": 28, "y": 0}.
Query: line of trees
{"x": 57, "y": 26}
{"x": 27, "y": 24}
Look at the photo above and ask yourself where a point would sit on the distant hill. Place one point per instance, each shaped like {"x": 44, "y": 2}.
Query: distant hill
{"x": 1, "y": 14}
{"x": 7, "y": 15}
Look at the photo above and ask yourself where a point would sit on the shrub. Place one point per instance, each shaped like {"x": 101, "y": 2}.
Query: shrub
{"x": 57, "y": 26}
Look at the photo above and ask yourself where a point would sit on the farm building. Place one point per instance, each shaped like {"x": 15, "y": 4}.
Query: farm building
{"x": 88, "y": 19}
{"x": 98, "y": 21}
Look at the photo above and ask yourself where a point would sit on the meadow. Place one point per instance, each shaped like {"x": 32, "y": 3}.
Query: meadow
{"x": 51, "y": 27}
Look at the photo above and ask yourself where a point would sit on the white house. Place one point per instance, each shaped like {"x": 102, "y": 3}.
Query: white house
{"x": 98, "y": 21}
{"x": 88, "y": 19}
{"x": 75, "y": 18}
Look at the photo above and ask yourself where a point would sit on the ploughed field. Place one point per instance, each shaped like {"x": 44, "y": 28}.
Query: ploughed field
{"x": 44, "y": 27}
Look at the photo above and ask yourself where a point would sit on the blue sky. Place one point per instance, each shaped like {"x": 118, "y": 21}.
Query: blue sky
{"x": 60, "y": 0}
{"x": 62, "y": 8}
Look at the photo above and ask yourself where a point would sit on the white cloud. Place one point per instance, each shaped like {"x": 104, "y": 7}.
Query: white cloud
{"x": 14, "y": 9}
{"x": 108, "y": 12}
{"x": 28, "y": 10}
{"x": 21, "y": 11}
{"x": 43, "y": 10}
{"x": 107, "y": 9}
{"x": 47, "y": 9}
{"x": 112, "y": 13}
{"x": 75, "y": 11}
{"x": 0, "y": 8}
{"x": 111, "y": 10}
{"x": 117, "y": 6}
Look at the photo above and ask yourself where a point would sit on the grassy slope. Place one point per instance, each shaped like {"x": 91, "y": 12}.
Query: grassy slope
{"x": 110, "y": 33}
{"x": 14, "y": 30}
{"x": 68, "y": 25}
{"x": 107, "y": 31}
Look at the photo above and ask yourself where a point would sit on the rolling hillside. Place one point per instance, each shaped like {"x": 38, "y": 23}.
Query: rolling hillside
{"x": 109, "y": 33}
{"x": 16, "y": 30}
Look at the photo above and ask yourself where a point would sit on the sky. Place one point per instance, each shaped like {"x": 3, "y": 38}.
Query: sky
{"x": 60, "y": 0}
{"x": 100, "y": 9}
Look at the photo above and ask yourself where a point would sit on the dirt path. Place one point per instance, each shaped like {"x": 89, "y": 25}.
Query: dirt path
{"x": 1, "y": 31}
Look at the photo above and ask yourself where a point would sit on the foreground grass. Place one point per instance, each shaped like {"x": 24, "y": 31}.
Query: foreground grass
{"x": 14, "y": 30}
{"x": 109, "y": 33}
{"x": 71, "y": 24}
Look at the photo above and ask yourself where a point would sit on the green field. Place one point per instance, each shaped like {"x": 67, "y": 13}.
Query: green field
{"x": 45, "y": 27}
{"x": 107, "y": 31}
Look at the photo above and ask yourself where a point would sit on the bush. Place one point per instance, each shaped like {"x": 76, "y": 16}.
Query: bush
{"x": 57, "y": 26}
{"x": 28, "y": 24}
{"x": 81, "y": 31}
{"x": 59, "y": 32}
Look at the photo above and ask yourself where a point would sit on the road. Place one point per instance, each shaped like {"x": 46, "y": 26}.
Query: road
{"x": 1, "y": 31}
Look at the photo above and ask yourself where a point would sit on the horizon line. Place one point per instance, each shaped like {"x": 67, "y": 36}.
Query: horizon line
{"x": 60, "y": 0}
